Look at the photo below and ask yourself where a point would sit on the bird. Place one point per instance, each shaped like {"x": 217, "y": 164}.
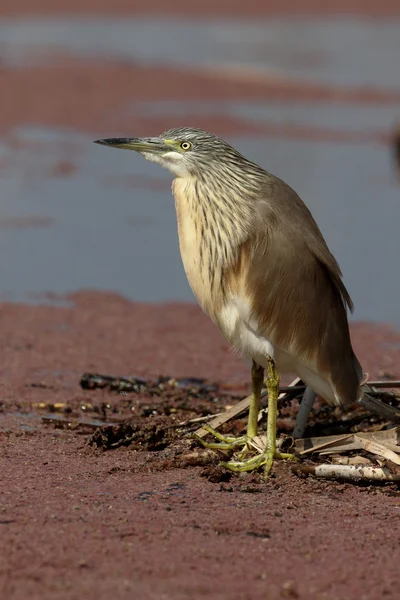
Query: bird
{"x": 261, "y": 270}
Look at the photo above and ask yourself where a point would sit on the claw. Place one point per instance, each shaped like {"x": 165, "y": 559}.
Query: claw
{"x": 264, "y": 459}
{"x": 265, "y": 456}
{"x": 226, "y": 439}
{"x": 225, "y": 442}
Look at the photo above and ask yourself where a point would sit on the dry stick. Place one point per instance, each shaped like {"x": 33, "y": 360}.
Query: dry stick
{"x": 374, "y": 447}
{"x": 347, "y": 472}
{"x": 371, "y": 404}
{"x": 334, "y": 443}
{"x": 351, "y": 460}
{"x": 352, "y": 446}
{"x": 327, "y": 443}
{"x": 237, "y": 409}
{"x": 229, "y": 414}
{"x": 383, "y": 384}
{"x": 393, "y": 447}
{"x": 197, "y": 420}
{"x": 378, "y": 407}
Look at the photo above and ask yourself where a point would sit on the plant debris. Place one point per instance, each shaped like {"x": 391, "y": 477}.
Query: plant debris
{"x": 351, "y": 472}
{"x": 161, "y": 415}
{"x": 139, "y": 385}
{"x": 151, "y": 436}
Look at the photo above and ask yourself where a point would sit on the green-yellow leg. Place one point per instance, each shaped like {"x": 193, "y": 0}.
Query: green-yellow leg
{"x": 257, "y": 379}
{"x": 267, "y": 457}
{"x": 230, "y": 442}
{"x": 269, "y": 453}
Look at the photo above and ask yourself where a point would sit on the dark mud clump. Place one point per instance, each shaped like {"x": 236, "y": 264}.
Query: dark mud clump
{"x": 151, "y": 435}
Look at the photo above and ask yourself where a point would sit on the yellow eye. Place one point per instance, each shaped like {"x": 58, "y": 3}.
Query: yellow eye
{"x": 186, "y": 145}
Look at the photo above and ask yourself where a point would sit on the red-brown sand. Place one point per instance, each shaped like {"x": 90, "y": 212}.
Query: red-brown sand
{"x": 77, "y": 523}
{"x": 238, "y": 8}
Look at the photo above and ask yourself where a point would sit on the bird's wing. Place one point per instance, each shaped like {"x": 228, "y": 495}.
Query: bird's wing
{"x": 296, "y": 223}
{"x": 294, "y": 285}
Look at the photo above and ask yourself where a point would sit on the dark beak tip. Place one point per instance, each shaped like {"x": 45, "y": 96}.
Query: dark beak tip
{"x": 112, "y": 141}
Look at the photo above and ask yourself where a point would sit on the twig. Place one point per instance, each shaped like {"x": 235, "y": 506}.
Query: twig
{"x": 333, "y": 440}
{"x": 378, "y": 407}
{"x": 296, "y": 386}
{"x": 241, "y": 407}
{"x": 197, "y": 420}
{"x": 124, "y": 441}
{"x": 229, "y": 414}
{"x": 384, "y": 384}
{"x": 347, "y": 472}
{"x": 375, "y": 447}
{"x": 334, "y": 443}
{"x": 351, "y": 460}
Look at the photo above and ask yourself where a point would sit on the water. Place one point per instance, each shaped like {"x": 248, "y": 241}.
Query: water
{"x": 110, "y": 224}
{"x": 342, "y": 51}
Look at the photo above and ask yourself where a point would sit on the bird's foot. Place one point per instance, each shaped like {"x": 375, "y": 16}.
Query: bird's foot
{"x": 264, "y": 458}
{"x": 225, "y": 442}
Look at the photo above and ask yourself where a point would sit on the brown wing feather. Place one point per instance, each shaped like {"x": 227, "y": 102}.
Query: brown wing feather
{"x": 298, "y": 296}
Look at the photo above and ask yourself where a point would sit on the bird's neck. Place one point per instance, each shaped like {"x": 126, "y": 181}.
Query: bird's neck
{"x": 212, "y": 227}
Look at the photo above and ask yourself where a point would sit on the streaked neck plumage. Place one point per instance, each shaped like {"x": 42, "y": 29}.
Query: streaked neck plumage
{"x": 212, "y": 224}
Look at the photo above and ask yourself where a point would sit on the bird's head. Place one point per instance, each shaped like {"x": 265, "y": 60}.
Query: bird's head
{"x": 186, "y": 152}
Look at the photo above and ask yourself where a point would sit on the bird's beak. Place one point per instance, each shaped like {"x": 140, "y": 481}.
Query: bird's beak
{"x": 143, "y": 145}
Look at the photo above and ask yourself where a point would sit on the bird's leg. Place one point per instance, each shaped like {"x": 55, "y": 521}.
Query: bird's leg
{"x": 266, "y": 457}
{"x": 273, "y": 394}
{"x": 257, "y": 379}
{"x": 230, "y": 442}
{"x": 269, "y": 453}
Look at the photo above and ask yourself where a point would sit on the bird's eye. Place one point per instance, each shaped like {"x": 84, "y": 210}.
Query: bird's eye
{"x": 186, "y": 145}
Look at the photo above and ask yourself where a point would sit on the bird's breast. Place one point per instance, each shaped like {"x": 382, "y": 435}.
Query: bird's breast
{"x": 189, "y": 234}
{"x": 214, "y": 252}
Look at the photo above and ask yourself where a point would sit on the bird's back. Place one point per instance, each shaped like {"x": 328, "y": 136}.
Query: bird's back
{"x": 297, "y": 294}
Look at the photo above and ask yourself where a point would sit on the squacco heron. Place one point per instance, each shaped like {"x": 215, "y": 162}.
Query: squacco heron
{"x": 261, "y": 270}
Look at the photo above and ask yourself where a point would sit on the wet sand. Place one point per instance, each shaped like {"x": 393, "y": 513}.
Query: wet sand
{"x": 76, "y": 521}
{"x": 206, "y": 7}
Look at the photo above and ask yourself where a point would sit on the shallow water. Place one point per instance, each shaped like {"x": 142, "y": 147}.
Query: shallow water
{"x": 334, "y": 50}
{"x": 74, "y": 215}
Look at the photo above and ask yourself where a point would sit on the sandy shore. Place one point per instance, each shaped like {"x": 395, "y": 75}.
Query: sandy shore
{"x": 75, "y": 521}
{"x": 237, "y": 8}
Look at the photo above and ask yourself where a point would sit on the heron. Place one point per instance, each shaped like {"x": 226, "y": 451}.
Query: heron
{"x": 260, "y": 268}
